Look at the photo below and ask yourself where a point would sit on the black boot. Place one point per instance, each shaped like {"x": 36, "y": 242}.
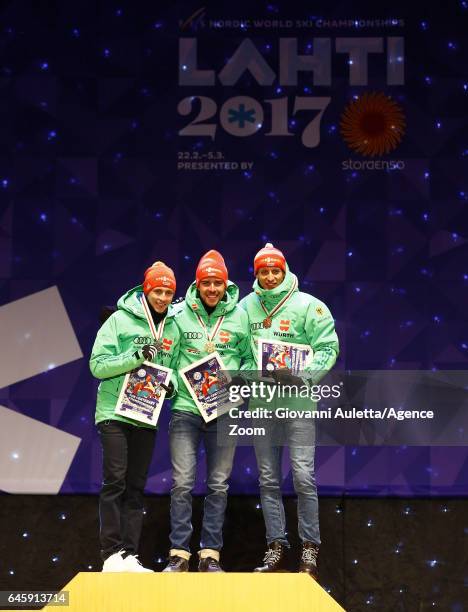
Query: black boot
{"x": 274, "y": 559}
{"x": 208, "y": 564}
{"x": 176, "y": 564}
{"x": 308, "y": 562}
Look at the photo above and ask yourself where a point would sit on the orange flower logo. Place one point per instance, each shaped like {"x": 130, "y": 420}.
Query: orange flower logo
{"x": 373, "y": 124}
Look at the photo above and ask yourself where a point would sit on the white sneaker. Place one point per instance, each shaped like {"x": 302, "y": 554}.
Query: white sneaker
{"x": 132, "y": 564}
{"x": 114, "y": 563}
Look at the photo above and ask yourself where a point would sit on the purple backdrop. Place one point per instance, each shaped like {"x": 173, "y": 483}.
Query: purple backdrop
{"x": 90, "y": 194}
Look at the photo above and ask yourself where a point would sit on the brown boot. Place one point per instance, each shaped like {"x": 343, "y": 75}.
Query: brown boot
{"x": 308, "y": 564}
{"x": 208, "y": 564}
{"x": 176, "y": 564}
{"x": 274, "y": 559}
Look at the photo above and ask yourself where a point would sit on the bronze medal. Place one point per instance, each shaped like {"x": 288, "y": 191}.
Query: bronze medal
{"x": 158, "y": 345}
{"x": 210, "y": 347}
{"x": 268, "y": 320}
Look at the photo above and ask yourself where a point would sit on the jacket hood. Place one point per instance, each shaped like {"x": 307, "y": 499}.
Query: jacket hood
{"x": 273, "y": 296}
{"x": 227, "y": 304}
{"x": 131, "y": 302}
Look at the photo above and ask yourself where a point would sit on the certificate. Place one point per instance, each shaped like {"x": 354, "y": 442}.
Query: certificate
{"x": 207, "y": 382}
{"x": 273, "y": 355}
{"x": 141, "y": 397}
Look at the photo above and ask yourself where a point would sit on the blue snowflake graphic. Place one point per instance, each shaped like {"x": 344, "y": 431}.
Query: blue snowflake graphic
{"x": 241, "y": 115}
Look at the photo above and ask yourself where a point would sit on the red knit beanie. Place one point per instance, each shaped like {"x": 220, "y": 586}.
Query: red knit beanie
{"x": 269, "y": 257}
{"x": 158, "y": 275}
{"x": 211, "y": 265}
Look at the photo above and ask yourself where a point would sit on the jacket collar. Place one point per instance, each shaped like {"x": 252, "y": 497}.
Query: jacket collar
{"x": 226, "y": 305}
{"x": 270, "y": 297}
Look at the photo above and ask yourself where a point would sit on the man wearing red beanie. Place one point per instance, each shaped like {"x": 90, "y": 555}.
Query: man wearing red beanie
{"x": 209, "y": 320}
{"x": 278, "y": 311}
{"x": 129, "y": 337}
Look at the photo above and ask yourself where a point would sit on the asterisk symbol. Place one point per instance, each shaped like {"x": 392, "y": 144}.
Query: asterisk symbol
{"x": 241, "y": 115}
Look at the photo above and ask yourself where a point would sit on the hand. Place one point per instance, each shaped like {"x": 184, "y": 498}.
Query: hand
{"x": 106, "y": 312}
{"x": 149, "y": 352}
{"x": 284, "y": 376}
{"x": 237, "y": 381}
{"x": 169, "y": 389}
{"x": 235, "y": 384}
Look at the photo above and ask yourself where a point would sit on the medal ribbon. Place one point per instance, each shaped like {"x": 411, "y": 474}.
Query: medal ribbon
{"x": 205, "y": 329}
{"x": 280, "y": 304}
{"x": 157, "y": 333}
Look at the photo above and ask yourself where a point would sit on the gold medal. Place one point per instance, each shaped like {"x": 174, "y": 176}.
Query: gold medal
{"x": 267, "y": 323}
{"x": 210, "y": 347}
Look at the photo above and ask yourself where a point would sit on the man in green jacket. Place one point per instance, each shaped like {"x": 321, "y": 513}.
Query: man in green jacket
{"x": 128, "y": 338}
{"x": 279, "y": 312}
{"x": 209, "y": 320}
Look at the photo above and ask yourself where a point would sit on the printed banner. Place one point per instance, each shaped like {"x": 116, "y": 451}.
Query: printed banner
{"x": 273, "y": 355}
{"x": 142, "y": 395}
{"x": 207, "y": 382}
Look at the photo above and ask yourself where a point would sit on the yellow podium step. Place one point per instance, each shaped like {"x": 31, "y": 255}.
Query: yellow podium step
{"x": 192, "y": 592}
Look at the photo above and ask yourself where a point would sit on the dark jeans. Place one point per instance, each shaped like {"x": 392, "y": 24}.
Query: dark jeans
{"x": 127, "y": 451}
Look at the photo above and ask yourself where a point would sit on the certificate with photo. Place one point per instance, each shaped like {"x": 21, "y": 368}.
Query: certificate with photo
{"x": 141, "y": 397}
{"x": 274, "y": 355}
{"x": 207, "y": 381}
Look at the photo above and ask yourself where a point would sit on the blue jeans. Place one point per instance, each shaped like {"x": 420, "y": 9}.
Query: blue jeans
{"x": 186, "y": 431}
{"x": 299, "y": 434}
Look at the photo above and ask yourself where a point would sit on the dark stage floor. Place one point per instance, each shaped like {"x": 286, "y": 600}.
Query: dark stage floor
{"x": 382, "y": 554}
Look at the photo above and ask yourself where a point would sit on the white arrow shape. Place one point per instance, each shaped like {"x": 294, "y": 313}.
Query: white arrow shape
{"x": 34, "y": 457}
{"x": 36, "y": 336}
